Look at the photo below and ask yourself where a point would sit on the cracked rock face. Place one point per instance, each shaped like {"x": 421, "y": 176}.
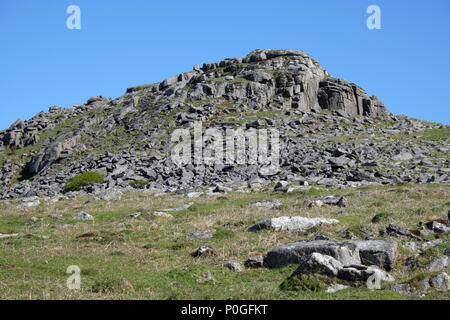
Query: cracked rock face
{"x": 348, "y": 99}
{"x": 318, "y": 263}
{"x": 377, "y": 253}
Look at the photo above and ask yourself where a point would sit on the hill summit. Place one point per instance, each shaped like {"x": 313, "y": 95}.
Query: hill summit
{"x": 330, "y": 131}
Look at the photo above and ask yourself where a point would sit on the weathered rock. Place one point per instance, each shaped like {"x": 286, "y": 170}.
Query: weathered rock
{"x": 371, "y": 252}
{"x": 340, "y": 95}
{"x": 395, "y": 230}
{"x": 204, "y": 251}
{"x": 357, "y": 272}
{"x": 203, "y": 234}
{"x": 331, "y": 200}
{"x": 183, "y": 207}
{"x": 298, "y": 252}
{"x": 439, "y": 264}
{"x": 50, "y": 154}
{"x": 123, "y": 224}
{"x": 162, "y": 214}
{"x": 319, "y": 263}
{"x": 438, "y": 227}
{"x": 81, "y": 216}
{"x": 134, "y": 215}
{"x": 254, "y": 262}
{"x": 441, "y": 282}
{"x": 424, "y": 285}
{"x": 234, "y": 266}
{"x": 29, "y": 204}
{"x": 366, "y": 234}
{"x": 31, "y": 221}
{"x": 377, "y": 252}
{"x": 288, "y": 83}
{"x": 265, "y": 203}
{"x": 110, "y": 195}
{"x": 336, "y": 287}
{"x": 447, "y": 252}
{"x": 410, "y": 264}
{"x": 291, "y": 223}
{"x": 11, "y": 235}
{"x": 401, "y": 288}
{"x": 403, "y": 156}
{"x": 205, "y": 277}
{"x": 281, "y": 186}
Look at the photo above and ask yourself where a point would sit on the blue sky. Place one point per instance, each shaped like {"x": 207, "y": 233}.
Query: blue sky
{"x": 125, "y": 43}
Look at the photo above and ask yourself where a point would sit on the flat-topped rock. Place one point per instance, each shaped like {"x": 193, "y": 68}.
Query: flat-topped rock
{"x": 291, "y": 223}
{"x": 297, "y": 252}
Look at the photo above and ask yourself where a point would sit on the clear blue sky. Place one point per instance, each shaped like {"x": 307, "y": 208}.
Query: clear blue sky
{"x": 125, "y": 43}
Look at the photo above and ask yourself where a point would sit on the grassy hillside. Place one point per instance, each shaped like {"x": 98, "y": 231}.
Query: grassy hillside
{"x": 152, "y": 254}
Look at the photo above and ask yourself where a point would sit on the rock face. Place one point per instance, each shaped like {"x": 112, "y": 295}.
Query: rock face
{"x": 348, "y": 99}
{"x": 359, "y": 272}
{"x": 50, "y": 154}
{"x": 366, "y": 252}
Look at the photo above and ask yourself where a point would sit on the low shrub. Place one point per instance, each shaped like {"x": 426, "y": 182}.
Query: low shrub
{"x": 84, "y": 179}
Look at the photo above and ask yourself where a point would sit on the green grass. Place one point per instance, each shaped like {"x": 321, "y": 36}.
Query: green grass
{"x": 154, "y": 253}
{"x": 84, "y": 179}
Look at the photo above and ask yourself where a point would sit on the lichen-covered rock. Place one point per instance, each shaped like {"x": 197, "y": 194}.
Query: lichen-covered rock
{"x": 291, "y": 223}
{"x": 298, "y": 252}
{"x": 367, "y": 252}
{"x": 377, "y": 252}
{"x": 265, "y": 203}
{"x": 254, "y": 262}
{"x": 441, "y": 282}
{"x": 81, "y": 216}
